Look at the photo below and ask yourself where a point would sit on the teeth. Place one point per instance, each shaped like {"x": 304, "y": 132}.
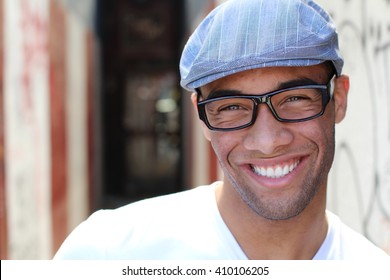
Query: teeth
{"x": 286, "y": 169}
{"x": 275, "y": 171}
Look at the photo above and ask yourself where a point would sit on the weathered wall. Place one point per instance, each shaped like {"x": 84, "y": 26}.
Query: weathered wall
{"x": 48, "y": 77}
{"x": 26, "y": 128}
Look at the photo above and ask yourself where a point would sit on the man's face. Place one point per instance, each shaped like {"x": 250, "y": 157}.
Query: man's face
{"x": 277, "y": 168}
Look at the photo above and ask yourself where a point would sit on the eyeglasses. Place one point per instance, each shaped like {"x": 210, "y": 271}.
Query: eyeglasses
{"x": 293, "y": 104}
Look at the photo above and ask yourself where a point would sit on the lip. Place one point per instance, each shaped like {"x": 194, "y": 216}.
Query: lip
{"x": 275, "y": 181}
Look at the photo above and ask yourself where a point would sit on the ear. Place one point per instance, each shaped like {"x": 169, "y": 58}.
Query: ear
{"x": 206, "y": 131}
{"x": 341, "y": 89}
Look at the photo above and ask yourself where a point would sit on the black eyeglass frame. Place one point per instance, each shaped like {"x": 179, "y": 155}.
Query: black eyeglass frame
{"x": 326, "y": 91}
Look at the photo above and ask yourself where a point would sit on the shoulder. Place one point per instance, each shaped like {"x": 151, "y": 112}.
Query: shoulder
{"x": 163, "y": 208}
{"x": 343, "y": 242}
{"x": 120, "y": 232}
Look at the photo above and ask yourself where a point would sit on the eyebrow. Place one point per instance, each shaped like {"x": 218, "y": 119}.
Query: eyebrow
{"x": 282, "y": 85}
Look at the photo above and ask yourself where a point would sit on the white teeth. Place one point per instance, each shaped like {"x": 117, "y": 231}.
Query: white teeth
{"x": 286, "y": 169}
{"x": 278, "y": 172}
{"x": 270, "y": 172}
{"x": 275, "y": 172}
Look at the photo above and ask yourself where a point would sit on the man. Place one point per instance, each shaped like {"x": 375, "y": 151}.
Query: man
{"x": 269, "y": 91}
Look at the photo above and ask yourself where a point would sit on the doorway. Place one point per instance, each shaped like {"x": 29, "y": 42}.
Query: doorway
{"x": 141, "y": 98}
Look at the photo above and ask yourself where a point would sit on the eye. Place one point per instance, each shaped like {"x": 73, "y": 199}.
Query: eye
{"x": 296, "y": 98}
{"x": 233, "y": 107}
{"x": 229, "y": 105}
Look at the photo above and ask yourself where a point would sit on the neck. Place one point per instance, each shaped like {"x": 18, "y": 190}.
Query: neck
{"x": 296, "y": 238}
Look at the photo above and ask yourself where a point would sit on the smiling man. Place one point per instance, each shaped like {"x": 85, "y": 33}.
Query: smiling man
{"x": 273, "y": 132}
{"x": 267, "y": 82}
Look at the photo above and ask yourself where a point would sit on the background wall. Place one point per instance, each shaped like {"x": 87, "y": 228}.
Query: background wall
{"x": 26, "y": 103}
{"x": 47, "y": 80}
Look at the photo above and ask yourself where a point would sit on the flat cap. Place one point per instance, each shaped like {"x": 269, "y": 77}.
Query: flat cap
{"x": 239, "y": 35}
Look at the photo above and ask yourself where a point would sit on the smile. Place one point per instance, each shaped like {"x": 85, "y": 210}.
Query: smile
{"x": 275, "y": 171}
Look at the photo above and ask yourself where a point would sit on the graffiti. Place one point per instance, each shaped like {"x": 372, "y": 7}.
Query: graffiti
{"x": 360, "y": 179}
{"x": 27, "y": 143}
{"x": 34, "y": 53}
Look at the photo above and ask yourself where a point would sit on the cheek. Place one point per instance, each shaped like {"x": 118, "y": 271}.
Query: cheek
{"x": 223, "y": 144}
{"x": 328, "y": 129}
{"x": 323, "y": 129}
{"x": 219, "y": 144}
{"x": 316, "y": 135}
{"x": 323, "y": 136}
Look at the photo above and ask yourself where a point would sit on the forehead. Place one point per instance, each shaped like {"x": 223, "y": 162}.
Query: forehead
{"x": 267, "y": 79}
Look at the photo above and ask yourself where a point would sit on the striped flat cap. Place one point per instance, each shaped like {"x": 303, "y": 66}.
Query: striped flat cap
{"x": 239, "y": 35}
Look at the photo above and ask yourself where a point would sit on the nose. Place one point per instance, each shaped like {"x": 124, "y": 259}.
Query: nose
{"x": 267, "y": 135}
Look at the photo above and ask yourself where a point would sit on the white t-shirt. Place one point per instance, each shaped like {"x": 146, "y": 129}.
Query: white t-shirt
{"x": 185, "y": 226}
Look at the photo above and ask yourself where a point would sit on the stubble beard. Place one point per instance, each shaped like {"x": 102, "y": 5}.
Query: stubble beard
{"x": 279, "y": 209}
{"x": 285, "y": 208}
